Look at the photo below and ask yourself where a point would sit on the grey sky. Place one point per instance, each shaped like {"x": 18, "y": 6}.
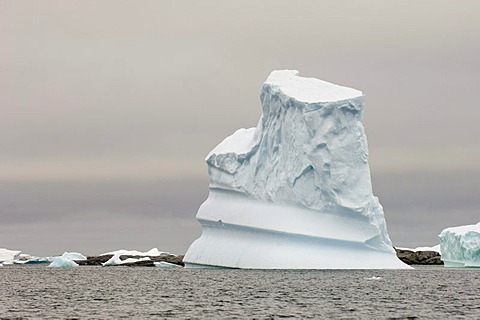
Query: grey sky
{"x": 107, "y": 109}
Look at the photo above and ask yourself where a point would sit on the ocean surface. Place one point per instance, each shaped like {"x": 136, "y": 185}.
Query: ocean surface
{"x": 135, "y": 292}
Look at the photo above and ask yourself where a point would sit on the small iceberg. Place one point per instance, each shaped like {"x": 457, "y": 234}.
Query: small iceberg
{"x": 164, "y": 264}
{"x": 60, "y": 262}
{"x": 73, "y": 256}
{"x": 8, "y": 255}
{"x": 34, "y": 260}
{"x": 67, "y": 260}
{"x": 460, "y": 246}
{"x": 373, "y": 278}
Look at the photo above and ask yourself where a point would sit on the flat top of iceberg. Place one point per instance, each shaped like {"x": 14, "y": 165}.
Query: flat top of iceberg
{"x": 309, "y": 90}
{"x": 464, "y": 229}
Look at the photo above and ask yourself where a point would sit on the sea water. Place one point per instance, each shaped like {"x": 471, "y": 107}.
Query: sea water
{"x": 134, "y": 292}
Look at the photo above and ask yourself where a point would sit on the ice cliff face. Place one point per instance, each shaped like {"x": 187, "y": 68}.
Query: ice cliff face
{"x": 460, "y": 246}
{"x": 302, "y": 172}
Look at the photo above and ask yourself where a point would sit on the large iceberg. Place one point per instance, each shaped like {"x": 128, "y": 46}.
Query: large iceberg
{"x": 295, "y": 192}
{"x": 460, "y": 246}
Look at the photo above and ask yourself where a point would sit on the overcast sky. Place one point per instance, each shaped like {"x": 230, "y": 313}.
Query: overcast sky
{"x": 108, "y": 108}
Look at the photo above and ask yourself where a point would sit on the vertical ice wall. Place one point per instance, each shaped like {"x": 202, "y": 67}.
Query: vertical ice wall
{"x": 299, "y": 183}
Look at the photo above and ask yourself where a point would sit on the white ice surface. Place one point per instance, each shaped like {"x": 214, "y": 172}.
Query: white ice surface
{"x": 295, "y": 192}
{"x": 164, "y": 264}
{"x": 73, "y": 256}
{"x": 8, "y": 255}
{"x": 309, "y": 90}
{"x": 34, "y": 260}
{"x": 460, "y": 246}
{"x": 116, "y": 261}
{"x": 60, "y": 262}
{"x": 154, "y": 252}
{"x": 435, "y": 248}
{"x": 240, "y": 142}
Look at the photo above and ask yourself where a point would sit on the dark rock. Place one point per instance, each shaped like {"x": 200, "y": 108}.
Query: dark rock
{"x": 98, "y": 260}
{"x": 94, "y": 260}
{"x": 150, "y": 263}
{"x": 419, "y": 257}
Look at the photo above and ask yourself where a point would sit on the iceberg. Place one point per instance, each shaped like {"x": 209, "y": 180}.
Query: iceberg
{"x": 73, "y": 256}
{"x": 7, "y": 255}
{"x": 460, "y": 246}
{"x": 66, "y": 260}
{"x": 34, "y": 260}
{"x": 28, "y": 259}
{"x": 295, "y": 191}
{"x": 60, "y": 262}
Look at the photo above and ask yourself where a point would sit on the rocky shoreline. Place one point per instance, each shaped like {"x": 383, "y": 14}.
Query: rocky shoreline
{"x": 409, "y": 257}
{"x": 99, "y": 260}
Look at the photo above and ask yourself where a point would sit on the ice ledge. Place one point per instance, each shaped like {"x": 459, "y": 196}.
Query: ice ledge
{"x": 309, "y": 90}
{"x": 239, "y": 232}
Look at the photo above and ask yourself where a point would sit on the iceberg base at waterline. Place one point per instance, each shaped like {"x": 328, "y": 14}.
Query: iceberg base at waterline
{"x": 61, "y": 262}
{"x": 239, "y": 232}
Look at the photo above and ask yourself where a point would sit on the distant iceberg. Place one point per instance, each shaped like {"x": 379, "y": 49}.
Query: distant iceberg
{"x": 73, "y": 256}
{"x": 7, "y": 255}
{"x": 460, "y": 246}
{"x": 295, "y": 192}
{"x": 60, "y": 262}
{"x": 33, "y": 260}
{"x": 67, "y": 260}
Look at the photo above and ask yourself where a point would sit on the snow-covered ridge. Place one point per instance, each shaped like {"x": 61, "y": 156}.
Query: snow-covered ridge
{"x": 460, "y": 246}
{"x": 435, "y": 248}
{"x": 308, "y": 157}
{"x": 154, "y": 252}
